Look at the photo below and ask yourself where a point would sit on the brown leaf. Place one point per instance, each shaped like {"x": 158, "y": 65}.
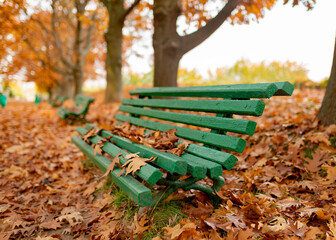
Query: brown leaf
{"x": 91, "y": 133}
{"x": 140, "y": 225}
{"x": 134, "y": 163}
{"x": 318, "y": 159}
{"x": 110, "y": 167}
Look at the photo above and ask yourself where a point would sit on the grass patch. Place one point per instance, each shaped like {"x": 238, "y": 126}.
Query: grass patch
{"x": 161, "y": 215}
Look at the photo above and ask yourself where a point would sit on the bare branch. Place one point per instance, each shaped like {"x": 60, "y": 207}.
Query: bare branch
{"x": 56, "y": 38}
{"x": 129, "y": 10}
{"x": 192, "y": 40}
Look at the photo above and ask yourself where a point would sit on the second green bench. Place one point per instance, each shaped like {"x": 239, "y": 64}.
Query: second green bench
{"x": 78, "y": 111}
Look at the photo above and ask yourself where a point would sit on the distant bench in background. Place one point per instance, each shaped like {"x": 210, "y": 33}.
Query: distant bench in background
{"x": 78, "y": 111}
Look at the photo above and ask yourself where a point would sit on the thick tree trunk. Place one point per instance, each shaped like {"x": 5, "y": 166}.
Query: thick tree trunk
{"x": 169, "y": 47}
{"x": 327, "y": 112}
{"x": 78, "y": 69}
{"x": 166, "y": 42}
{"x": 78, "y": 78}
{"x": 113, "y": 38}
{"x": 65, "y": 88}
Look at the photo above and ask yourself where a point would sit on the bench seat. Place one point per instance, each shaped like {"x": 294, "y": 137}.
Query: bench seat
{"x": 205, "y": 121}
{"x": 58, "y": 101}
{"x": 78, "y": 111}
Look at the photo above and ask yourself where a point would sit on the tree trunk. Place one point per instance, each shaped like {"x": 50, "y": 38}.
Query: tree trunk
{"x": 166, "y": 42}
{"x": 113, "y": 38}
{"x": 65, "y": 88}
{"x": 78, "y": 69}
{"x": 169, "y": 47}
{"x": 78, "y": 79}
{"x": 327, "y": 112}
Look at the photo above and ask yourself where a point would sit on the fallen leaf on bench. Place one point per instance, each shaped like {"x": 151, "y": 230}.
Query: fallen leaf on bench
{"x": 91, "y": 133}
{"x": 179, "y": 150}
{"x": 134, "y": 163}
{"x": 98, "y": 147}
{"x": 110, "y": 167}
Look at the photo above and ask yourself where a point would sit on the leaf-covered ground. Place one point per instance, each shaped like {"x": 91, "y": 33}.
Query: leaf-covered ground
{"x": 283, "y": 187}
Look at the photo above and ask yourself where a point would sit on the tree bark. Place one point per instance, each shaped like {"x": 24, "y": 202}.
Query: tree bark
{"x": 117, "y": 15}
{"x": 166, "y": 42}
{"x": 169, "y": 47}
{"x": 327, "y": 112}
{"x": 65, "y": 88}
{"x": 78, "y": 68}
{"x": 113, "y": 38}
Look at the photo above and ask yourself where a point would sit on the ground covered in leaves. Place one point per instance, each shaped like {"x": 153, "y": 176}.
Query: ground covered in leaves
{"x": 283, "y": 186}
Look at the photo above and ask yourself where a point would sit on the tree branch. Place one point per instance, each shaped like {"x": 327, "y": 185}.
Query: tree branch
{"x": 89, "y": 34}
{"x": 56, "y": 38}
{"x": 192, "y": 40}
{"x": 129, "y": 10}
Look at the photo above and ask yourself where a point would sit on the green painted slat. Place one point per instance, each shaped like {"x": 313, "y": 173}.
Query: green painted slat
{"x": 222, "y": 141}
{"x": 148, "y": 173}
{"x": 241, "y": 107}
{"x": 164, "y": 160}
{"x": 227, "y": 160}
{"x": 213, "y": 169}
{"x": 218, "y": 183}
{"x": 134, "y": 189}
{"x": 255, "y": 90}
{"x": 284, "y": 89}
{"x": 227, "y": 124}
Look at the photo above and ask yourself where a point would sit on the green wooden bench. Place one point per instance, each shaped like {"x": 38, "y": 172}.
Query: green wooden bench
{"x": 3, "y": 100}
{"x": 78, "y": 111}
{"x": 58, "y": 101}
{"x": 201, "y": 159}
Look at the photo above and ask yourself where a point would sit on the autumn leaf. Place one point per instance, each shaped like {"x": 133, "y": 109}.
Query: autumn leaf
{"x": 72, "y": 218}
{"x": 110, "y": 167}
{"x": 140, "y": 225}
{"x": 318, "y": 159}
{"x": 54, "y": 224}
{"x": 332, "y": 227}
{"x": 134, "y": 163}
{"x": 98, "y": 147}
{"x": 91, "y": 133}
{"x": 177, "y": 230}
{"x": 275, "y": 225}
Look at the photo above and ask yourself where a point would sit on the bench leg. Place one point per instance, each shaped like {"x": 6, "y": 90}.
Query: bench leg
{"x": 190, "y": 183}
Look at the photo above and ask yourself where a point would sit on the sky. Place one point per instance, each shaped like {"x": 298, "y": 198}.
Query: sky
{"x": 285, "y": 33}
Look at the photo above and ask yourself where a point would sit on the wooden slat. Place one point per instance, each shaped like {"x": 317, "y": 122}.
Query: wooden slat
{"x": 148, "y": 173}
{"x": 213, "y": 169}
{"x": 134, "y": 189}
{"x": 227, "y": 124}
{"x": 227, "y": 160}
{"x": 164, "y": 160}
{"x": 222, "y": 141}
{"x": 239, "y": 91}
{"x": 241, "y": 107}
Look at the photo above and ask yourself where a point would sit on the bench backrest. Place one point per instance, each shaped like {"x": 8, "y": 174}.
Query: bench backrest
{"x": 229, "y": 100}
{"x": 83, "y": 102}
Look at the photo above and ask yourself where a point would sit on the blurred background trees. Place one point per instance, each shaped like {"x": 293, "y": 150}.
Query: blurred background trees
{"x": 59, "y": 44}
